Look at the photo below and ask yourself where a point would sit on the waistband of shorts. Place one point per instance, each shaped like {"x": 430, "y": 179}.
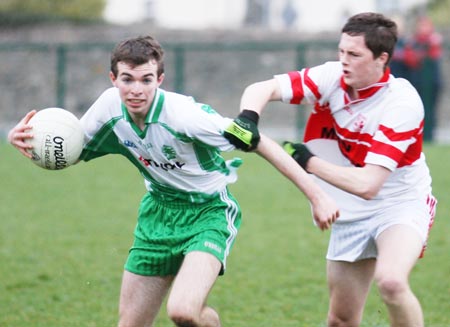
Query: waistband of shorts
{"x": 183, "y": 201}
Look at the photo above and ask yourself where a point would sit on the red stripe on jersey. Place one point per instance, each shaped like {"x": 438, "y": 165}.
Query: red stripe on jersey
{"x": 414, "y": 150}
{"x": 392, "y": 135}
{"x": 387, "y": 150}
{"x": 349, "y": 135}
{"x": 413, "y": 153}
{"x": 297, "y": 87}
{"x": 311, "y": 85}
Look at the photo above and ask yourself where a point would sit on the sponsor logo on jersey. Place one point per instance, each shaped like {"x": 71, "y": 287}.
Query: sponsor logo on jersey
{"x": 130, "y": 144}
{"x": 328, "y": 133}
{"x": 162, "y": 165}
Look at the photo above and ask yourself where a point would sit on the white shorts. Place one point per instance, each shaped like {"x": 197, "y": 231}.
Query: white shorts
{"x": 355, "y": 240}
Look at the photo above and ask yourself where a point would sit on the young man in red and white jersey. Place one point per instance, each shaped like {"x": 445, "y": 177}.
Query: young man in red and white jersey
{"x": 363, "y": 142}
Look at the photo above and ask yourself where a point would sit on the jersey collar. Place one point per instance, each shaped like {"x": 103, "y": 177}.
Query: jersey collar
{"x": 368, "y": 91}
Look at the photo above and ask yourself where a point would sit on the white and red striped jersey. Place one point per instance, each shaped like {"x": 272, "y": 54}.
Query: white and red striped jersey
{"x": 383, "y": 127}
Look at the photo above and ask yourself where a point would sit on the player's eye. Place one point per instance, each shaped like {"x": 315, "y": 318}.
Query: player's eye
{"x": 126, "y": 80}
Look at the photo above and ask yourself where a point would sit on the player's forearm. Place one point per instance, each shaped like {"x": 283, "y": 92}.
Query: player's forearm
{"x": 363, "y": 182}
{"x": 284, "y": 163}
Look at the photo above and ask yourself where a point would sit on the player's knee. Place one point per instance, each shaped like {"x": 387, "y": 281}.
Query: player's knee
{"x": 342, "y": 320}
{"x": 391, "y": 289}
{"x": 181, "y": 314}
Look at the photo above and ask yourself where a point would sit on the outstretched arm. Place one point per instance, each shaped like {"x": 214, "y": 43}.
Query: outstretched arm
{"x": 257, "y": 95}
{"x": 21, "y": 132}
{"x": 324, "y": 209}
{"x": 243, "y": 132}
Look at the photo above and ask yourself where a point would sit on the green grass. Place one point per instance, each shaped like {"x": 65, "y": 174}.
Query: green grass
{"x": 64, "y": 237}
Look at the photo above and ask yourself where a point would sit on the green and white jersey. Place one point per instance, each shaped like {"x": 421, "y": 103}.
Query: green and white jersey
{"x": 178, "y": 152}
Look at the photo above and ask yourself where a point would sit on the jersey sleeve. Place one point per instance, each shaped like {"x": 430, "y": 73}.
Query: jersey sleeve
{"x": 309, "y": 85}
{"x": 201, "y": 123}
{"x": 97, "y": 123}
{"x": 398, "y": 140}
{"x": 209, "y": 127}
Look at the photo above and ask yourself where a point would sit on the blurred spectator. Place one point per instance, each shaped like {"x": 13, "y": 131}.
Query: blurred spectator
{"x": 418, "y": 59}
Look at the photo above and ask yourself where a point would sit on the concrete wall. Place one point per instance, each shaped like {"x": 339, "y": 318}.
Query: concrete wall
{"x": 28, "y": 77}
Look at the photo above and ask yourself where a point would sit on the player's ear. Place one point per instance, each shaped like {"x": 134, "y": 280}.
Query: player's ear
{"x": 161, "y": 79}
{"x": 113, "y": 78}
{"x": 383, "y": 59}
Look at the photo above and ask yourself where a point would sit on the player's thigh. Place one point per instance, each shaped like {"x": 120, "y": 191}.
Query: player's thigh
{"x": 401, "y": 237}
{"x": 194, "y": 281}
{"x": 349, "y": 284}
{"x": 141, "y": 298}
{"x": 399, "y": 247}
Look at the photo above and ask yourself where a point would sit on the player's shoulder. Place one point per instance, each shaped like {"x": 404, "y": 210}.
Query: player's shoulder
{"x": 332, "y": 68}
{"x": 326, "y": 75}
{"x": 400, "y": 84}
{"x": 109, "y": 97}
{"x": 184, "y": 106}
{"x": 184, "y": 113}
{"x": 404, "y": 100}
{"x": 107, "y": 105}
{"x": 401, "y": 90}
{"x": 175, "y": 100}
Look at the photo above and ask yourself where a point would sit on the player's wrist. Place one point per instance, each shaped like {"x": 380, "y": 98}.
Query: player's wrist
{"x": 250, "y": 115}
{"x": 299, "y": 152}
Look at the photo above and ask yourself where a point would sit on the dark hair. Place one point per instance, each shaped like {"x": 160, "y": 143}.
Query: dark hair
{"x": 138, "y": 51}
{"x": 380, "y": 33}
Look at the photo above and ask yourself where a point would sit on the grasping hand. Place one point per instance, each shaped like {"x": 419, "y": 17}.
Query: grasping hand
{"x": 21, "y": 132}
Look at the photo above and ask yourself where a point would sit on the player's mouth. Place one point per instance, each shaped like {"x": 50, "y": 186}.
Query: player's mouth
{"x": 135, "y": 102}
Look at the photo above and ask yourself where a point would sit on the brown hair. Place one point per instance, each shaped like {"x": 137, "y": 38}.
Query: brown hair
{"x": 380, "y": 33}
{"x": 138, "y": 51}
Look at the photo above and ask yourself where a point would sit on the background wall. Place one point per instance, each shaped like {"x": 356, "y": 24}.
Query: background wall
{"x": 216, "y": 68}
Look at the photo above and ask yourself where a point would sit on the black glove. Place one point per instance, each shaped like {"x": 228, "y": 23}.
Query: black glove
{"x": 243, "y": 132}
{"x": 299, "y": 152}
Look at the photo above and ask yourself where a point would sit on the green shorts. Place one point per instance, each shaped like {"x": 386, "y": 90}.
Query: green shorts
{"x": 167, "y": 230}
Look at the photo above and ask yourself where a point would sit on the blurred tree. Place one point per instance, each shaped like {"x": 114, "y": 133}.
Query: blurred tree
{"x": 19, "y": 12}
{"x": 439, "y": 11}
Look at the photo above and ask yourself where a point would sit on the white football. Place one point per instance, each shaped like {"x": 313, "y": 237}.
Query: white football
{"x": 57, "y": 138}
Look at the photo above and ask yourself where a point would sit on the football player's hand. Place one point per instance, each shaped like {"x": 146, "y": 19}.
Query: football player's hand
{"x": 325, "y": 211}
{"x": 299, "y": 152}
{"x": 19, "y": 133}
{"x": 243, "y": 132}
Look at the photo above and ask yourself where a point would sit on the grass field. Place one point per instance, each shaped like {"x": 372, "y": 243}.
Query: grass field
{"x": 64, "y": 237}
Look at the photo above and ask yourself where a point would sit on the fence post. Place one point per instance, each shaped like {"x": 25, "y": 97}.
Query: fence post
{"x": 300, "y": 62}
{"x": 61, "y": 63}
{"x": 179, "y": 53}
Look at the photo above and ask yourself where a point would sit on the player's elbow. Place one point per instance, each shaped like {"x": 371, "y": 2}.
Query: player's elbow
{"x": 371, "y": 181}
{"x": 368, "y": 192}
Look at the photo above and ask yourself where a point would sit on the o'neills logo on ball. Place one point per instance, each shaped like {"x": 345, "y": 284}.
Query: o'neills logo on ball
{"x": 55, "y": 145}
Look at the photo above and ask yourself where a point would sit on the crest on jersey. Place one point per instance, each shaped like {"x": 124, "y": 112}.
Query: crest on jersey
{"x": 208, "y": 109}
{"x": 169, "y": 152}
{"x": 360, "y": 122}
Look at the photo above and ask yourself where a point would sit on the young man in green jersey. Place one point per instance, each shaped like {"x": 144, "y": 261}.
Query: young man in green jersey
{"x": 187, "y": 220}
